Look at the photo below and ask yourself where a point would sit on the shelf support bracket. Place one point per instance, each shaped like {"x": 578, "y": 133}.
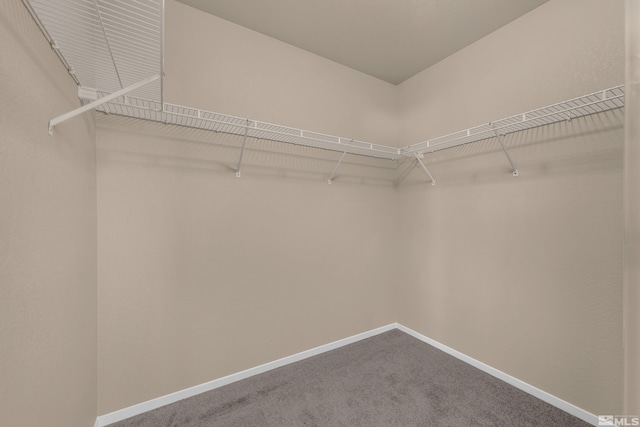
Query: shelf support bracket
{"x": 500, "y": 140}
{"x": 333, "y": 173}
{"x": 90, "y": 106}
{"x": 244, "y": 142}
{"x": 419, "y": 159}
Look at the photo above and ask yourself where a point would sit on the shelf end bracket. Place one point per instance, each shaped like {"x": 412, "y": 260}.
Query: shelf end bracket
{"x": 419, "y": 159}
{"x": 333, "y": 173}
{"x": 90, "y": 106}
{"x": 244, "y": 143}
{"x": 501, "y": 142}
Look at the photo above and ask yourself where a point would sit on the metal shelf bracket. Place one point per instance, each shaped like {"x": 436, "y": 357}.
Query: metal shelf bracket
{"x": 500, "y": 140}
{"x": 244, "y": 142}
{"x": 333, "y": 173}
{"x": 90, "y": 106}
{"x": 419, "y": 157}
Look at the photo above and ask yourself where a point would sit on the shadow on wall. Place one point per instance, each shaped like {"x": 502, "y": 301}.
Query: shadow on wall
{"x": 566, "y": 148}
{"x": 160, "y": 145}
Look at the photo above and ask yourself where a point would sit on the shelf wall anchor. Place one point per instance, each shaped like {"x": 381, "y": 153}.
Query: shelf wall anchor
{"x": 244, "y": 142}
{"x": 500, "y": 140}
{"x": 419, "y": 159}
{"x": 333, "y": 173}
{"x": 90, "y": 106}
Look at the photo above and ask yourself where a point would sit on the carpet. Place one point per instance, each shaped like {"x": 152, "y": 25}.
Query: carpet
{"x": 391, "y": 379}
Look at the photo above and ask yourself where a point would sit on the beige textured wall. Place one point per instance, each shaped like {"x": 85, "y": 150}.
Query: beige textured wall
{"x": 47, "y": 237}
{"x": 202, "y": 274}
{"x": 632, "y": 211}
{"x": 243, "y": 73}
{"x": 524, "y": 274}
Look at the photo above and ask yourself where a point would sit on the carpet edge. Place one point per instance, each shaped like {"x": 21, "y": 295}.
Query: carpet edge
{"x": 139, "y": 408}
{"x": 519, "y": 384}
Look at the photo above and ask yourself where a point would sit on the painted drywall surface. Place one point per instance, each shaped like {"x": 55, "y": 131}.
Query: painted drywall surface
{"x": 558, "y": 51}
{"x": 202, "y": 274}
{"x": 47, "y": 237}
{"x": 176, "y": 242}
{"x": 524, "y": 274}
{"x": 632, "y": 211}
{"x": 215, "y": 65}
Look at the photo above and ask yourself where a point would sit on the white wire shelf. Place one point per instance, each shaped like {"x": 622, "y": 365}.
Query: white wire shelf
{"x": 223, "y": 123}
{"x": 593, "y": 103}
{"x": 112, "y": 46}
{"x": 106, "y": 44}
{"x": 114, "y": 51}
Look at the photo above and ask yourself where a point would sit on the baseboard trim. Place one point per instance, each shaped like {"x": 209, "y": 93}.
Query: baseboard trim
{"x": 526, "y": 387}
{"x": 122, "y": 414}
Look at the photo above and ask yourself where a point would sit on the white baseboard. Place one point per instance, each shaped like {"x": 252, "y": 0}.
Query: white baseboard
{"x": 528, "y": 388}
{"x": 122, "y": 414}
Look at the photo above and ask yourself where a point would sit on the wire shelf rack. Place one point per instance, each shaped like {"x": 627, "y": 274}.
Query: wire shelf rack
{"x": 593, "y": 103}
{"x": 106, "y": 44}
{"x": 223, "y": 123}
{"x": 114, "y": 51}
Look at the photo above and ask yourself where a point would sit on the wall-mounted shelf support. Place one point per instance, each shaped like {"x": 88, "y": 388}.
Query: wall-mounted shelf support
{"x": 500, "y": 140}
{"x": 244, "y": 143}
{"x": 419, "y": 159}
{"x": 90, "y": 106}
{"x": 333, "y": 173}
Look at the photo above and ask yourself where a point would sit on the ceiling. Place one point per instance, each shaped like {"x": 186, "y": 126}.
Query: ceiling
{"x": 389, "y": 39}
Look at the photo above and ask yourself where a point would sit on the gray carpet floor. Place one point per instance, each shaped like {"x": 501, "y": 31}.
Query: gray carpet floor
{"x": 391, "y": 379}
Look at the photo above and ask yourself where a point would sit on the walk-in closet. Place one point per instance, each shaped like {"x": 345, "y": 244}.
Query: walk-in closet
{"x": 322, "y": 212}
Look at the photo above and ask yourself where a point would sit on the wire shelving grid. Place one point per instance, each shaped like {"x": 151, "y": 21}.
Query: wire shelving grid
{"x": 112, "y": 46}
